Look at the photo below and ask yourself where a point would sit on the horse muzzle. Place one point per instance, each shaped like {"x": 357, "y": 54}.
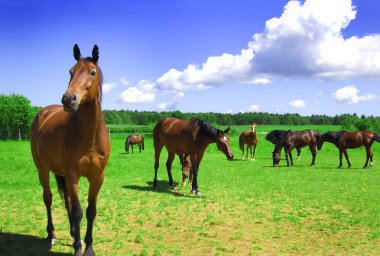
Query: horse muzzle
{"x": 70, "y": 102}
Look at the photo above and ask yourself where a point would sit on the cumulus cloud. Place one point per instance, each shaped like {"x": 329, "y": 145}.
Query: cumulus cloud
{"x": 144, "y": 92}
{"x": 306, "y": 41}
{"x": 297, "y": 104}
{"x": 252, "y": 108}
{"x": 108, "y": 87}
{"x": 350, "y": 95}
{"x": 173, "y": 104}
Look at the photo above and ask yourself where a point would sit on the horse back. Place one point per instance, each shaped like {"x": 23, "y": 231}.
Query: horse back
{"x": 176, "y": 134}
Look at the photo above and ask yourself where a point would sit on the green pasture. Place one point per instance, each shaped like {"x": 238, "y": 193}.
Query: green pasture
{"x": 246, "y": 207}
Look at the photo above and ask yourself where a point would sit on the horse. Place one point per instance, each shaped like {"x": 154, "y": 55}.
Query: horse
{"x": 132, "y": 140}
{"x": 190, "y": 137}
{"x": 276, "y": 135}
{"x": 300, "y": 139}
{"x": 344, "y": 140}
{"x": 249, "y": 138}
{"x": 186, "y": 169}
{"x": 72, "y": 141}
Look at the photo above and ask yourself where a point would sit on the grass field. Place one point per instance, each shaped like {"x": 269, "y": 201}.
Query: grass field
{"x": 246, "y": 207}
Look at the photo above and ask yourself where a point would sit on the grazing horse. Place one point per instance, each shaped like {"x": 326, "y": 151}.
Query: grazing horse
{"x": 293, "y": 139}
{"x": 343, "y": 140}
{"x": 276, "y": 135}
{"x": 132, "y": 140}
{"x": 186, "y": 169}
{"x": 249, "y": 138}
{"x": 72, "y": 141}
{"x": 190, "y": 137}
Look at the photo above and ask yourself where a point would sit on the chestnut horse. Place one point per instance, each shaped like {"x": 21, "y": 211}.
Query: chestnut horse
{"x": 186, "y": 169}
{"x": 276, "y": 135}
{"x": 249, "y": 138}
{"x": 190, "y": 137}
{"x": 72, "y": 141}
{"x": 296, "y": 139}
{"x": 132, "y": 140}
{"x": 344, "y": 140}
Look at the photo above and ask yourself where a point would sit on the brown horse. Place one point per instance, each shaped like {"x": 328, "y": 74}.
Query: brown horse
{"x": 190, "y": 137}
{"x": 344, "y": 140}
{"x": 296, "y": 139}
{"x": 249, "y": 138}
{"x": 276, "y": 135}
{"x": 72, "y": 141}
{"x": 132, "y": 140}
{"x": 186, "y": 169}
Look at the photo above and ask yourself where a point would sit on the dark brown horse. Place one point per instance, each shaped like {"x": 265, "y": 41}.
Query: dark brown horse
{"x": 344, "y": 140}
{"x": 249, "y": 138}
{"x": 276, "y": 135}
{"x": 190, "y": 137}
{"x": 296, "y": 139}
{"x": 133, "y": 140}
{"x": 72, "y": 141}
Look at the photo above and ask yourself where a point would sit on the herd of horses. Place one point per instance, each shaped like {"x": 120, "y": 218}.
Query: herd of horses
{"x": 71, "y": 140}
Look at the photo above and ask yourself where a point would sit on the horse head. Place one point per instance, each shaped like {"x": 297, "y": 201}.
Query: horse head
{"x": 328, "y": 136}
{"x": 223, "y": 143}
{"x": 85, "y": 81}
{"x": 253, "y": 127}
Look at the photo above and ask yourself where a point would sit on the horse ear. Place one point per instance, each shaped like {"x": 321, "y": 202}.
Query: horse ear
{"x": 77, "y": 55}
{"x": 95, "y": 53}
{"x": 227, "y": 130}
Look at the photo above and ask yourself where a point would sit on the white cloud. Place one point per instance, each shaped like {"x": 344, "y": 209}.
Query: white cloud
{"x": 124, "y": 81}
{"x": 297, "y": 104}
{"x": 252, "y": 108}
{"x": 173, "y": 104}
{"x": 320, "y": 93}
{"x": 306, "y": 41}
{"x": 144, "y": 92}
{"x": 108, "y": 87}
{"x": 350, "y": 95}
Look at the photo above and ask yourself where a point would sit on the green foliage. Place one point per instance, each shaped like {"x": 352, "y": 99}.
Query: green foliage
{"x": 16, "y": 114}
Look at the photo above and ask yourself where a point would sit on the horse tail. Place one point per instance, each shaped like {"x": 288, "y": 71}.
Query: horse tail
{"x": 142, "y": 142}
{"x": 376, "y": 137}
{"x": 61, "y": 184}
{"x": 241, "y": 143}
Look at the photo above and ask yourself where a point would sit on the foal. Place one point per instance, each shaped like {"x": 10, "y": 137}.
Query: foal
{"x": 249, "y": 138}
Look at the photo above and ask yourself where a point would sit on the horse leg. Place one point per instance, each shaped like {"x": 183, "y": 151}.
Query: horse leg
{"x": 44, "y": 177}
{"x": 68, "y": 209}
{"x": 368, "y": 155}
{"x": 195, "y": 160}
{"x": 346, "y": 156}
{"x": 254, "y": 150}
{"x": 132, "y": 148}
{"x": 287, "y": 158}
{"x": 313, "y": 154}
{"x": 247, "y": 151}
{"x": 242, "y": 155}
{"x": 157, "y": 151}
{"x": 291, "y": 157}
{"x": 169, "y": 163}
{"x": 93, "y": 192}
{"x": 340, "y": 158}
{"x": 298, "y": 153}
{"x": 76, "y": 212}
{"x": 250, "y": 152}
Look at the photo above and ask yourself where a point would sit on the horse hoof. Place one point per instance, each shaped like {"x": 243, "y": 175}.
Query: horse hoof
{"x": 173, "y": 187}
{"x": 89, "y": 252}
{"x": 78, "y": 252}
{"x": 298, "y": 158}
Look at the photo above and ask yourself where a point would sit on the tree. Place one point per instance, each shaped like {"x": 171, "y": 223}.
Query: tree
{"x": 16, "y": 115}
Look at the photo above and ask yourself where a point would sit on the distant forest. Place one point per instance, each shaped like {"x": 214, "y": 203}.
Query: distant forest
{"x": 149, "y": 117}
{"x": 17, "y": 114}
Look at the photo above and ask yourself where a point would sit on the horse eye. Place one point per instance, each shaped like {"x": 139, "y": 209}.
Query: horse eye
{"x": 93, "y": 72}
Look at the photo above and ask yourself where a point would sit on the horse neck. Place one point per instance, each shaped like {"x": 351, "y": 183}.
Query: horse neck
{"x": 90, "y": 119}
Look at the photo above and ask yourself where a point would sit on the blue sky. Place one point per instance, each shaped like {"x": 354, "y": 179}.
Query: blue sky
{"x": 307, "y": 57}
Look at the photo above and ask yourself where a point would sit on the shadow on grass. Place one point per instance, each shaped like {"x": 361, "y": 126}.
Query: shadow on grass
{"x": 17, "y": 244}
{"x": 162, "y": 187}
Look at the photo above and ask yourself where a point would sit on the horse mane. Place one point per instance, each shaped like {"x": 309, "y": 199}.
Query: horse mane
{"x": 203, "y": 128}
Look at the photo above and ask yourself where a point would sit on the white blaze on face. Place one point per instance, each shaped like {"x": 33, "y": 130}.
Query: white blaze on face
{"x": 225, "y": 138}
{"x": 253, "y": 128}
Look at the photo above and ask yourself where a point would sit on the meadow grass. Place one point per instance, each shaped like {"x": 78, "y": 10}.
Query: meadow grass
{"x": 246, "y": 207}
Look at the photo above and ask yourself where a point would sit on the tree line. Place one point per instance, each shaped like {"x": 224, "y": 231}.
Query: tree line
{"x": 17, "y": 114}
